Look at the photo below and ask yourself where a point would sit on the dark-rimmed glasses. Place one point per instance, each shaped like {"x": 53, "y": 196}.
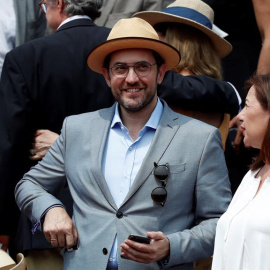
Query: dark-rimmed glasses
{"x": 43, "y": 6}
{"x": 161, "y": 173}
{"x": 121, "y": 70}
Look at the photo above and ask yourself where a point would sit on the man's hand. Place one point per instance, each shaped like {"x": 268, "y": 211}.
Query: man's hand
{"x": 43, "y": 140}
{"x": 59, "y": 229}
{"x": 239, "y": 134}
{"x": 158, "y": 249}
{"x": 236, "y": 122}
{"x": 4, "y": 240}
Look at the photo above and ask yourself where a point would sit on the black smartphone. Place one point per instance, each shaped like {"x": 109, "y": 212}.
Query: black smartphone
{"x": 139, "y": 239}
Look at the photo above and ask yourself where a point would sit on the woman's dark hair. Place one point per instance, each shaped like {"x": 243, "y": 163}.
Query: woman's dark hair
{"x": 261, "y": 84}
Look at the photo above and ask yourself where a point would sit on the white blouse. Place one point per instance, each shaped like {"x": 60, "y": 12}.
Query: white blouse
{"x": 243, "y": 232}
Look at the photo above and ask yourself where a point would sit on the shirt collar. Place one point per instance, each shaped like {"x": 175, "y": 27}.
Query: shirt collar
{"x": 152, "y": 121}
{"x": 72, "y": 18}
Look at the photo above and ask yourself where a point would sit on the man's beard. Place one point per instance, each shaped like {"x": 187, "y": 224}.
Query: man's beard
{"x": 132, "y": 106}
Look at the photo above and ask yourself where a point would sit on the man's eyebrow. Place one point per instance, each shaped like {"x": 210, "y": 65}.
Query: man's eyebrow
{"x": 120, "y": 63}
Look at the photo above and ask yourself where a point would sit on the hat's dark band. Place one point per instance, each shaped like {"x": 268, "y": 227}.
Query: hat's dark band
{"x": 190, "y": 14}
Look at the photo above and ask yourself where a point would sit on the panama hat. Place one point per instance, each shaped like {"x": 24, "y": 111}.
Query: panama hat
{"x": 194, "y": 13}
{"x": 6, "y": 262}
{"x": 132, "y": 33}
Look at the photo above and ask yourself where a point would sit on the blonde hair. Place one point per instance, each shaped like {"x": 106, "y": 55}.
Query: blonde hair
{"x": 198, "y": 55}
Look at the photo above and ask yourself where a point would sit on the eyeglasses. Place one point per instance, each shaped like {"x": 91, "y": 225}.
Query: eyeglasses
{"x": 121, "y": 70}
{"x": 43, "y": 6}
{"x": 161, "y": 173}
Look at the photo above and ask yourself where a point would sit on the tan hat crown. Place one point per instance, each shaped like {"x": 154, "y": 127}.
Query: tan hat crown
{"x": 132, "y": 33}
{"x": 127, "y": 28}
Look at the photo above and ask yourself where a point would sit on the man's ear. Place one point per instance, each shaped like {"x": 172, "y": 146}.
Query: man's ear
{"x": 60, "y": 5}
{"x": 106, "y": 75}
{"x": 161, "y": 73}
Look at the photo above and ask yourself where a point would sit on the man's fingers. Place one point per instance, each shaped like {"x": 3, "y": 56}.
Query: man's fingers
{"x": 156, "y": 235}
{"x": 54, "y": 242}
{"x": 135, "y": 251}
{"x": 39, "y": 132}
{"x": 62, "y": 239}
{"x": 38, "y": 154}
{"x": 70, "y": 241}
{"x": 233, "y": 122}
{"x": 75, "y": 235}
{"x": 59, "y": 228}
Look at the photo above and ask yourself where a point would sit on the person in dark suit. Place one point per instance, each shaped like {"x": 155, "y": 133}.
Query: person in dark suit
{"x": 42, "y": 82}
{"x": 30, "y": 21}
{"x": 47, "y": 79}
{"x": 239, "y": 66}
{"x": 20, "y": 21}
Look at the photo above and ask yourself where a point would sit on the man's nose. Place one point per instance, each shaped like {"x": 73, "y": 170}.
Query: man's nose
{"x": 132, "y": 77}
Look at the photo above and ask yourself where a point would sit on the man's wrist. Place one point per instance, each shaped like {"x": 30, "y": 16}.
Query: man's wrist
{"x": 164, "y": 262}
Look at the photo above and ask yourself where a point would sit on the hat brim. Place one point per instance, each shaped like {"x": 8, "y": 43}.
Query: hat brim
{"x": 96, "y": 57}
{"x": 222, "y": 46}
{"x": 6, "y": 262}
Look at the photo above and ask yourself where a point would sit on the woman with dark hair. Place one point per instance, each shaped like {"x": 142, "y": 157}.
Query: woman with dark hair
{"x": 243, "y": 232}
{"x": 188, "y": 25}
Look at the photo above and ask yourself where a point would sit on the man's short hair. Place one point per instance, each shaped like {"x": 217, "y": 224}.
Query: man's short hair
{"x": 89, "y": 8}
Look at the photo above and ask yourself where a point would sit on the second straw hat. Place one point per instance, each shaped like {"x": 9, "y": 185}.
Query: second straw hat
{"x": 132, "y": 33}
{"x": 194, "y": 13}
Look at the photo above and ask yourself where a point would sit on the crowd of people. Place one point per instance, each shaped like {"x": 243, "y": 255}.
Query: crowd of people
{"x": 99, "y": 121}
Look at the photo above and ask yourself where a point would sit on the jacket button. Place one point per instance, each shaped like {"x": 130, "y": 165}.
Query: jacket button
{"x": 119, "y": 214}
{"x": 105, "y": 251}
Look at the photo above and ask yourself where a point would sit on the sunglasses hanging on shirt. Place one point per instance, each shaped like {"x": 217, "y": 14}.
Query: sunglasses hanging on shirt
{"x": 161, "y": 173}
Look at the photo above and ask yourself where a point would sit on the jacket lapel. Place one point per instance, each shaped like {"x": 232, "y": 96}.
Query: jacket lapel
{"x": 167, "y": 128}
{"x": 164, "y": 135}
{"x": 98, "y": 137}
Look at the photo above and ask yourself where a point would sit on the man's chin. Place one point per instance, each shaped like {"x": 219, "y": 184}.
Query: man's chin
{"x": 130, "y": 108}
{"x": 131, "y": 105}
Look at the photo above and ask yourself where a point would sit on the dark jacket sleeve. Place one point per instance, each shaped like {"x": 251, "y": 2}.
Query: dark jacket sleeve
{"x": 199, "y": 92}
{"x": 16, "y": 136}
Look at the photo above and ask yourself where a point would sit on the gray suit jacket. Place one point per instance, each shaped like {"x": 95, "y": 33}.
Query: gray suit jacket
{"x": 30, "y": 21}
{"x": 198, "y": 190}
{"x": 114, "y": 10}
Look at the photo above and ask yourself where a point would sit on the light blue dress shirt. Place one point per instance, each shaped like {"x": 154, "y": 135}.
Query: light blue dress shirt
{"x": 123, "y": 157}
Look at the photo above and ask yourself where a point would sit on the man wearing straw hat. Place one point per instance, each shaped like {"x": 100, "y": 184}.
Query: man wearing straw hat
{"x": 151, "y": 172}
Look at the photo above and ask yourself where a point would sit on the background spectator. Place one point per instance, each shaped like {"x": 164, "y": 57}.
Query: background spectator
{"x": 201, "y": 48}
{"x": 243, "y": 233}
{"x": 114, "y": 10}
{"x": 20, "y": 21}
{"x": 42, "y": 82}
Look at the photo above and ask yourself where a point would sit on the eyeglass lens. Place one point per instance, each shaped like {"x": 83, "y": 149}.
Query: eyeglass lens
{"x": 159, "y": 194}
{"x": 142, "y": 69}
